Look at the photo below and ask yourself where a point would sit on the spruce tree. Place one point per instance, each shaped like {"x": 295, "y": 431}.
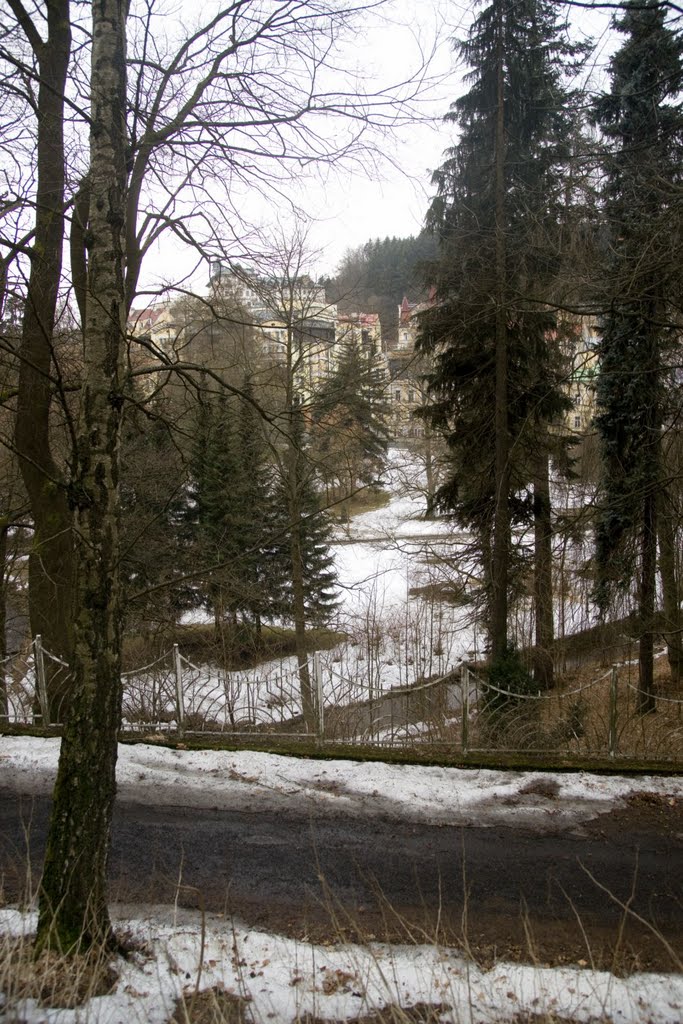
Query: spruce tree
{"x": 211, "y": 519}
{"x": 258, "y": 519}
{"x": 302, "y": 517}
{"x": 351, "y": 413}
{"x": 153, "y": 507}
{"x": 491, "y": 334}
{"x": 641, "y": 119}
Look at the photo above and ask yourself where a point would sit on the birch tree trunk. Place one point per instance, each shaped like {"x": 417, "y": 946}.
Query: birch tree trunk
{"x": 73, "y": 910}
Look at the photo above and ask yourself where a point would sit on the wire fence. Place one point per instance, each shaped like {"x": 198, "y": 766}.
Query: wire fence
{"x": 457, "y": 710}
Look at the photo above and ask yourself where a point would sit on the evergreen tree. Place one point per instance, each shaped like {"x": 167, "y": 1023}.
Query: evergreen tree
{"x": 319, "y": 575}
{"x": 211, "y": 519}
{"x": 303, "y": 521}
{"x": 642, "y": 121}
{"x": 258, "y": 519}
{"x": 153, "y": 499}
{"x": 492, "y": 334}
{"x": 352, "y": 432}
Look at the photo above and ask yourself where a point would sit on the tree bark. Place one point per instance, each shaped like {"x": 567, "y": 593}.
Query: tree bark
{"x": 298, "y": 587}
{"x": 4, "y": 529}
{"x": 543, "y": 579}
{"x": 670, "y": 595}
{"x": 50, "y": 566}
{"x": 648, "y": 555}
{"x": 501, "y": 527}
{"x": 73, "y": 910}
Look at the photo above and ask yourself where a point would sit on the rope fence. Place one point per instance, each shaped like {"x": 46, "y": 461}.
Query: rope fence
{"x": 458, "y": 710}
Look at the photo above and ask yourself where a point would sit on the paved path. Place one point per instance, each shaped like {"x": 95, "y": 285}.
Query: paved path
{"x": 525, "y": 893}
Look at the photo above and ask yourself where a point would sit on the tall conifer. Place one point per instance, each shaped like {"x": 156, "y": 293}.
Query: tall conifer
{"x": 641, "y": 118}
{"x": 497, "y": 214}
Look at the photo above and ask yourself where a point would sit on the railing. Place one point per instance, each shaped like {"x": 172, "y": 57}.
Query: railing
{"x": 458, "y": 710}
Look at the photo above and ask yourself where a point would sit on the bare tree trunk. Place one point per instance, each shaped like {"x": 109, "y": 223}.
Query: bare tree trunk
{"x": 670, "y": 594}
{"x": 501, "y": 526}
{"x": 543, "y": 579}
{"x": 50, "y": 567}
{"x": 73, "y": 910}
{"x": 4, "y": 529}
{"x": 429, "y": 465}
{"x": 298, "y": 587}
{"x": 648, "y": 554}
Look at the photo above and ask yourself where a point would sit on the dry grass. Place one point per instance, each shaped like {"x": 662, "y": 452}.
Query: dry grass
{"x": 52, "y": 979}
{"x": 212, "y": 1006}
{"x": 420, "y": 1013}
{"x": 573, "y": 719}
{"x": 580, "y": 721}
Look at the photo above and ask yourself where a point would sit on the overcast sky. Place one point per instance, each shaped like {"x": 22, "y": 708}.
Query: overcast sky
{"x": 346, "y": 206}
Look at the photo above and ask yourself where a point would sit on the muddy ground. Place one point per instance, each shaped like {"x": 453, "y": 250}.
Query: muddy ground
{"x": 607, "y": 894}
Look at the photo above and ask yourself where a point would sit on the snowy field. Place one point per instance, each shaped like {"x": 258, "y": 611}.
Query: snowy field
{"x": 284, "y": 979}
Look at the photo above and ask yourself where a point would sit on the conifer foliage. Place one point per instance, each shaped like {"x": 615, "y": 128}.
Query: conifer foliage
{"x": 351, "y": 417}
{"x": 237, "y": 522}
{"x": 495, "y": 382}
{"x": 641, "y": 119}
{"x": 230, "y": 519}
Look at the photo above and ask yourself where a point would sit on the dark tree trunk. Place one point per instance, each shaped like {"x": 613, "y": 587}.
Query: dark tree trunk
{"x": 50, "y": 567}
{"x": 429, "y": 465}
{"x": 501, "y": 526}
{"x": 73, "y": 910}
{"x": 543, "y": 578}
{"x": 648, "y": 554}
{"x": 4, "y": 528}
{"x": 670, "y": 594}
{"x": 298, "y": 586}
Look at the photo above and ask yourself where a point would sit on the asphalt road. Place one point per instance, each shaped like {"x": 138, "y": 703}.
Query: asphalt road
{"x": 498, "y": 889}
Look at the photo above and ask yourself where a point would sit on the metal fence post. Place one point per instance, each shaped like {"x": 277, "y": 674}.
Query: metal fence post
{"x": 41, "y": 682}
{"x": 318, "y": 677}
{"x": 465, "y": 706}
{"x": 179, "y": 696}
{"x": 612, "y": 738}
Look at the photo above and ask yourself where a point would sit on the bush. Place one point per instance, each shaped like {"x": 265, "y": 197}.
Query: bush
{"x": 508, "y": 672}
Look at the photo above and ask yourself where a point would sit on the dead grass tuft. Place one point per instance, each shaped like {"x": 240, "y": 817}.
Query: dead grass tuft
{"x": 52, "y": 979}
{"x": 547, "y": 788}
{"x": 212, "y": 1006}
{"x": 419, "y": 1013}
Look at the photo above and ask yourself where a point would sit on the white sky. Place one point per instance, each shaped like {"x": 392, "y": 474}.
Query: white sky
{"x": 347, "y": 207}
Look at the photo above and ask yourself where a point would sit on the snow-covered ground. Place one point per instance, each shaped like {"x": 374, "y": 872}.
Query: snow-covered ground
{"x": 284, "y": 979}
{"x": 249, "y": 780}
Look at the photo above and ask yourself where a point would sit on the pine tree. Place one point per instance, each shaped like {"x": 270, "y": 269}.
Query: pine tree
{"x": 642, "y": 121}
{"x": 492, "y": 332}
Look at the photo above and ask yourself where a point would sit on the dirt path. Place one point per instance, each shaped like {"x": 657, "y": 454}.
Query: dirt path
{"x": 499, "y": 891}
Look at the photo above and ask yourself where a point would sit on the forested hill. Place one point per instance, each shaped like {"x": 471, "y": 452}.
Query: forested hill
{"x": 375, "y": 277}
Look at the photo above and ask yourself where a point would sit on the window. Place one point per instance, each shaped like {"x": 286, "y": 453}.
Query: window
{"x": 577, "y": 423}
{"x": 397, "y": 395}
{"x": 411, "y": 396}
